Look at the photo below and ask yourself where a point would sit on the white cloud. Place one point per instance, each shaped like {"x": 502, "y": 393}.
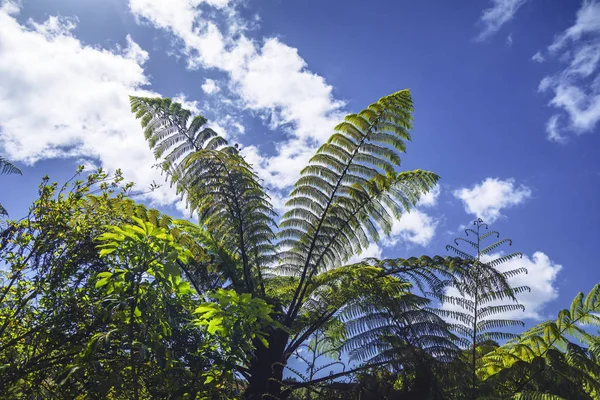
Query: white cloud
{"x": 61, "y": 98}
{"x": 191, "y": 105}
{"x": 553, "y": 130}
{"x": 373, "y": 251}
{"x": 541, "y": 279}
{"x": 430, "y": 199}
{"x": 509, "y": 40}
{"x": 576, "y": 88}
{"x": 487, "y": 199}
{"x": 268, "y": 76}
{"x": 587, "y": 21}
{"x": 415, "y": 227}
{"x": 538, "y": 57}
{"x": 210, "y": 87}
{"x": 493, "y": 18}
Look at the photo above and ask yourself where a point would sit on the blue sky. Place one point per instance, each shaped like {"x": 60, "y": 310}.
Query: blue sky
{"x": 507, "y": 98}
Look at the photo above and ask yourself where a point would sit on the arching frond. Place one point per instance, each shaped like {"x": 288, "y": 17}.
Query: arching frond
{"x": 218, "y": 185}
{"x": 6, "y": 167}
{"x": 350, "y": 191}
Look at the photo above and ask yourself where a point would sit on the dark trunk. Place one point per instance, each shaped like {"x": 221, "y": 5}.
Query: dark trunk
{"x": 266, "y": 370}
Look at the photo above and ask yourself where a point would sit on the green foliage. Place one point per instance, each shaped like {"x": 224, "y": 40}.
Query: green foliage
{"x": 45, "y": 308}
{"x": 557, "y": 358}
{"x": 233, "y": 322}
{"x": 99, "y": 299}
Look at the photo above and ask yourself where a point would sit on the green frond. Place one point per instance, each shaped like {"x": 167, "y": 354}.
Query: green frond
{"x": 488, "y": 234}
{"x": 350, "y": 191}
{"x": 218, "y": 185}
{"x": 497, "y": 309}
{"x": 554, "y": 348}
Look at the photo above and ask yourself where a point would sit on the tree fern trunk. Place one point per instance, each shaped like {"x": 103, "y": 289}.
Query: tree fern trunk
{"x": 266, "y": 370}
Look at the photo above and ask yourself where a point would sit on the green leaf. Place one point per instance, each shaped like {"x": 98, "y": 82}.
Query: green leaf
{"x": 215, "y": 325}
{"x": 102, "y": 282}
{"x": 107, "y": 251}
{"x": 184, "y": 288}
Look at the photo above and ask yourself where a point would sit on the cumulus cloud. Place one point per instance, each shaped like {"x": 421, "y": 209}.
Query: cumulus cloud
{"x": 61, "y": 98}
{"x": 210, "y": 86}
{"x": 415, "y": 227}
{"x": 487, "y": 199}
{"x": 575, "y": 89}
{"x": 541, "y": 279}
{"x": 373, "y": 251}
{"x": 430, "y": 199}
{"x": 267, "y": 76}
{"x": 493, "y": 18}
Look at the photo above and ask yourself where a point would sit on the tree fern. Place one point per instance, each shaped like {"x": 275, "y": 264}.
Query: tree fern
{"x": 348, "y": 195}
{"x": 482, "y": 292}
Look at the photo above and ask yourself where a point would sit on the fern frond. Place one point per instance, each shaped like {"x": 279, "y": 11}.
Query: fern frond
{"x": 6, "y": 167}
{"x": 354, "y": 190}
{"x": 219, "y": 186}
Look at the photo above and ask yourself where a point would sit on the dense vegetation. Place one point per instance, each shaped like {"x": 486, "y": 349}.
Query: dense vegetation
{"x": 103, "y": 298}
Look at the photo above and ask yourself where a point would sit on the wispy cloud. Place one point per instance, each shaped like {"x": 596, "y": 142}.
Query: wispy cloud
{"x": 493, "y": 18}
{"x": 576, "y": 88}
{"x": 487, "y": 199}
{"x": 538, "y": 57}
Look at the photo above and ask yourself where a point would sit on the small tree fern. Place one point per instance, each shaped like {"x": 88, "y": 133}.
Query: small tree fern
{"x": 483, "y": 292}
